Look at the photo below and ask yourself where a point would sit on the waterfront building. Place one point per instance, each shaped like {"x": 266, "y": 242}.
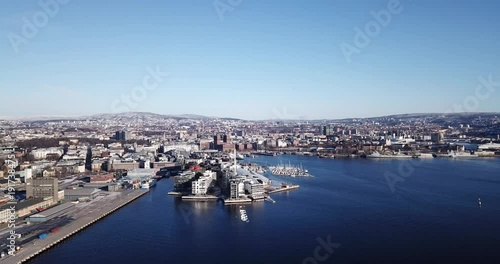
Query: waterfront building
{"x": 106, "y": 178}
{"x": 254, "y": 188}
{"x": 202, "y": 185}
{"x": 24, "y": 208}
{"x": 50, "y": 213}
{"x": 42, "y": 188}
{"x": 182, "y": 179}
{"x": 237, "y": 187}
{"x": 81, "y": 194}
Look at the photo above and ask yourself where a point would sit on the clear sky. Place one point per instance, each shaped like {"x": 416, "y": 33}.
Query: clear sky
{"x": 256, "y": 60}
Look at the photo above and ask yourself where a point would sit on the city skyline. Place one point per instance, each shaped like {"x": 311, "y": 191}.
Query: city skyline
{"x": 238, "y": 131}
{"x": 257, "y": 61}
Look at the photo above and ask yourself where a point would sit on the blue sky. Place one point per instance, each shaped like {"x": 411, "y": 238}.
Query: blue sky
{"x": 264, "y": 59}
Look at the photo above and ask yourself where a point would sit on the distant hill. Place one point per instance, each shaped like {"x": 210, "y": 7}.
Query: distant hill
{"x": 147, "y": 115}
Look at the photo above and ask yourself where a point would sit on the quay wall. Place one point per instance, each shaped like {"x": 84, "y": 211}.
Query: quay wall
{"x": 30, "y": 251}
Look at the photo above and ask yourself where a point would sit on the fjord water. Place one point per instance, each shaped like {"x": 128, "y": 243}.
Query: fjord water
{"x": 431, "y": 217}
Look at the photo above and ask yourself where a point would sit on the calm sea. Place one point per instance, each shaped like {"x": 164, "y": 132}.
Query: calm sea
{"x": 347, "y": 213}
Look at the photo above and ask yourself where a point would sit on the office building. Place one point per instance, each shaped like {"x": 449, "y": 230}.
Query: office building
{"x": 122, "y": 135}
{"x": 42, "y": 188}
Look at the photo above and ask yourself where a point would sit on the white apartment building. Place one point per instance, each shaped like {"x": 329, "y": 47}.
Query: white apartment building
{"x": 42, "y": 153}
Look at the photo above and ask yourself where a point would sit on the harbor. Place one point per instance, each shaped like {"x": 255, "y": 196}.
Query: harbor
{"x": 175, "y": 224}
{"x": 289, "y": 170}
{"x": 91, "y": 216}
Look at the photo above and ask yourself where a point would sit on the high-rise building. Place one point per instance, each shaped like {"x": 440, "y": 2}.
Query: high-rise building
{"x": 118, "y": 135}
{"x": 437, "y": 137}
{"x": 122, "y": 135}
{"x": 237, "y": 188}
{"x": 42, "y": 188}
{"x": 217, "y": 140}
{"x": 327, "y": 130}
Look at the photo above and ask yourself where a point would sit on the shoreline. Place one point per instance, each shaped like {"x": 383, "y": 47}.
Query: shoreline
{"x": 30, "y": 251}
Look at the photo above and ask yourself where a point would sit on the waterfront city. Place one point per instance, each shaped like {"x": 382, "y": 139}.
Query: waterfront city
{"x": 70, "y": 173}
{"x": 249, "y": 132}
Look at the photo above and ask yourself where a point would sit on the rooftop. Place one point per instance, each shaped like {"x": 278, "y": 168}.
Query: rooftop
{"x": 81, "y": 192}
{"x": 53, "y": 210}
{"x": 23, "y": 204}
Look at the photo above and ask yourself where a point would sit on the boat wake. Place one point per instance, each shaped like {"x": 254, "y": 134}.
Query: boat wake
{"x": 243, "y": 215}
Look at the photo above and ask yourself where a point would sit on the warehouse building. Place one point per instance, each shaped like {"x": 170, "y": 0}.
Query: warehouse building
{"x": 50, "y": 213}
{"x": 81, "y": 194}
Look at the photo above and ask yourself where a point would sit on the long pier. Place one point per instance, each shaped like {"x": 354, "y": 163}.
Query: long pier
{"x": 30, "y": 251}
{"x": 284, "y": 189}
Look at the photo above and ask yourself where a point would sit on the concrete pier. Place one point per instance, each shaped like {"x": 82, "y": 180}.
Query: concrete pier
{"x": 30, "y": 251}
{"x": 206, "y": 198}
{"x": 283, "y": 189}
{"x": 237, "y": 201}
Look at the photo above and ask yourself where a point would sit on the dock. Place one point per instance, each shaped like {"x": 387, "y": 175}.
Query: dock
{"x": 237, "y": 201}
{"x": 205, "y": 198}
{"x": 30, "y": 251}
{"x": 283, "y": 189}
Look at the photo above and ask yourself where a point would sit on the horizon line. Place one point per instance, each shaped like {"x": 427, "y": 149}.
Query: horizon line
{"x": 187, "y": 116}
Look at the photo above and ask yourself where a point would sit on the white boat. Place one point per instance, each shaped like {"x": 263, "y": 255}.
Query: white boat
{"x": 424, "y": 156}
{"x": 489, "y": 146}
{"x": 148, "y": 184}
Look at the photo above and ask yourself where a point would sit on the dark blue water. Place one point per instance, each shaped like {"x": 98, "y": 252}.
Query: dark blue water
{"x": 431, "y": 217}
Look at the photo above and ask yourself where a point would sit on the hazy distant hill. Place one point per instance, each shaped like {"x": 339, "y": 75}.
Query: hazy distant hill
{"x": 143, "y": 115}
{"x": 147, "y": 115}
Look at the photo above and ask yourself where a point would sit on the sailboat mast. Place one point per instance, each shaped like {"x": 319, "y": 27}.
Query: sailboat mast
{"x": 234, "y": 159}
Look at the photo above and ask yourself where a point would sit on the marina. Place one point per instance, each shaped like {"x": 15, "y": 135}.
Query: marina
{"x": 289, "y": 170}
